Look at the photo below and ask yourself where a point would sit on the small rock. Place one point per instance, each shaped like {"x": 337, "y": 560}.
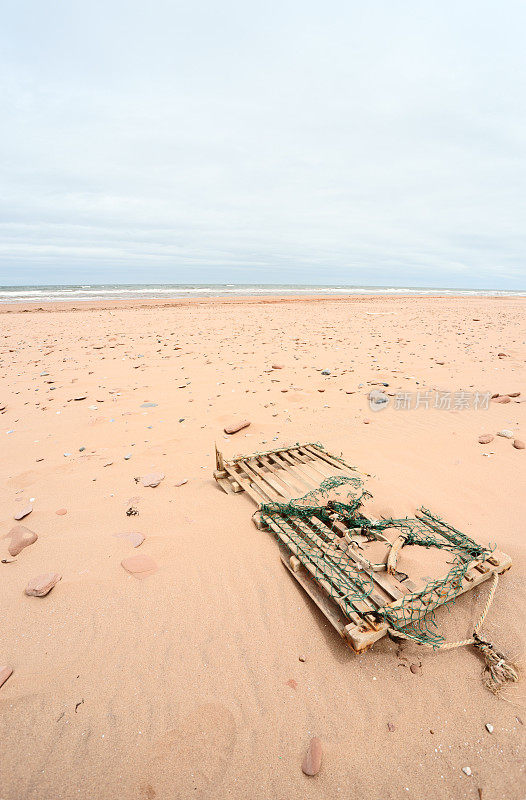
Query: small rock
{"x": 81, "y": 449}
{"x": 234, "y": 427}
{"x": 42, "y": 584}
{"x": 486, "y": 438}
{"x": 325, "y": 372}
{"x": 80, "y": 397}
{"x": 134, "y": 537}
{"x": 312, "y": 760}
{"x": 5, "y": 673}
{"x": 127, "y": 456}
{"x": 61, "y": 511}
{"x": 302, "y": 658}
{"x": 181, "y": 482}
{"x": 278, "y": 366}
{"x": 149, "y": 405}
{"x": 139, "y": 566}
{"x": 518, "y": 444}
{"x": 366, "y": 421}
{"x": 20, "y": 537}
{"x": 415, "y": 669}
{"x": 514, "y": 394}
{"x": 506, "y": 434}
{"x": 390, "y": 727}
{"x": 377, "y": 398}
{"x": 24, "y": 512}
{"x": 466, "y": 770}
{"x": 489, "y": 727}
{"x": 502, "y": 398}
{"x": 153, "y": 479}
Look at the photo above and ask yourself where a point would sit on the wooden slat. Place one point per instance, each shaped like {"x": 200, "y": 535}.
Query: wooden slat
{"x": 287, "y": 464}
{"x": 275, "y": 495}
{"x": 294, "y": 486}
{"x": 254, "y": 492}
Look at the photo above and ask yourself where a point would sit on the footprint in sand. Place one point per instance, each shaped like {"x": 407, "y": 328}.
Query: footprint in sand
{"x": 193, "y": 758}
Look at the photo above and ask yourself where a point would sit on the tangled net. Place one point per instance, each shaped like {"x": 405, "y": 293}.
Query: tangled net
{"x": 310, "y": 527}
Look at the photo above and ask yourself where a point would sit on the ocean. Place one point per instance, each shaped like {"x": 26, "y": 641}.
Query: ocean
{"x": 114, "y": 291}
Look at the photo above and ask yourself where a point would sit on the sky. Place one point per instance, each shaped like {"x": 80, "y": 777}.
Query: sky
{"x": 378, "y": 142}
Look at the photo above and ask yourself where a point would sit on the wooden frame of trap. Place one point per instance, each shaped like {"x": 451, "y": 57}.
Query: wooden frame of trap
{"x": 310, "y": 548}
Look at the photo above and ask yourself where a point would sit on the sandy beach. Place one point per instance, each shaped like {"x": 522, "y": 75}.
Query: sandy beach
{"x": 188, "y": 682}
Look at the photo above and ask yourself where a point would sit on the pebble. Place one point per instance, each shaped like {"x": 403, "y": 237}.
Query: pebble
{"x": 302, "y": 658}
{"x": 506, "y": 434}
{"x": 61, "y": 511}
{"x": 80, "y": 397}
{"x": 127, "y": 456}
{"x": 24, "y": 512}
{"x": 134, "y": 537}
{"x": 486, "y": 438}
{"x": 377, "y": 398}
{"x": 466, "y": 770}
{"x": 139, "y": 566}
{"x": 489, "y": 727}
{"x": 5, "y": 673}
{"x": 366, "y": 421}
{"x": 390, "y": 727}
{"x": 153, "y": 479}
{"x": 42, "y": 584}
{"x": 20, "y": 537}
{"x": 278, "y": 366}
{"x": 415, "y": 669}
{"x": 502, "y": 398}
{"x": 181, "y": 482}
{"x": 312, "y": 760}
{"x": 149, "y": 405}
{"x": 518, "y": 444}
{"x": 326, "y": 372}
{"x": 234, "y": 427}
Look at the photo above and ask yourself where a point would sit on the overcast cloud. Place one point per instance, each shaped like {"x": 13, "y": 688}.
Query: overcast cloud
{"x": 373, "y": 142}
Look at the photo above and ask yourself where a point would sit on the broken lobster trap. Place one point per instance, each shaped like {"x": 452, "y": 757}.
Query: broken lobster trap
{"x": 369, "y": 577}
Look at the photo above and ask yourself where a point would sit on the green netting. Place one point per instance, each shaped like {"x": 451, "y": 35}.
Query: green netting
{"x": 307, "y": 526}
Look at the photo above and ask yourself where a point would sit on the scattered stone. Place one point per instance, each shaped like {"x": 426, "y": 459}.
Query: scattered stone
{"x": 61, "y": 511}
{"x": 506, "y": 434}
{"x": 5, "y": 673}
{"x": 466, "y": 771}
{"x": 278, "y": 366}
{"x": 415, "y": 669}
{"x": 514, "y": 394}
{"x": 20, "y": 537}
{"x": 81, "y": 449}
{"x": 486, "y": 438}
{"x": 80, "y": 397}
{"x": 139, "y": 566}
{"x": 234, "y": 427}
{"x": 24, "y": 512}
{"x": 518, "y": 444}
{"x": 502, "y": 398}
{"x": 302, "y": 658}
{"x": 42, "y": 584}
{"x": 153, "y": 479}
{"x": 134, "y": 537}
{"x": 366, "y": 421}
{"x": 127, "y": 456}
{"x": 149, "y": 405}
{"x": 489, "y": 727}
{"x": 181, "y": 482}
{"x": 312, "y": 760}
{"x": 325, "y": 372}
{"x": 390, "y": 727}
